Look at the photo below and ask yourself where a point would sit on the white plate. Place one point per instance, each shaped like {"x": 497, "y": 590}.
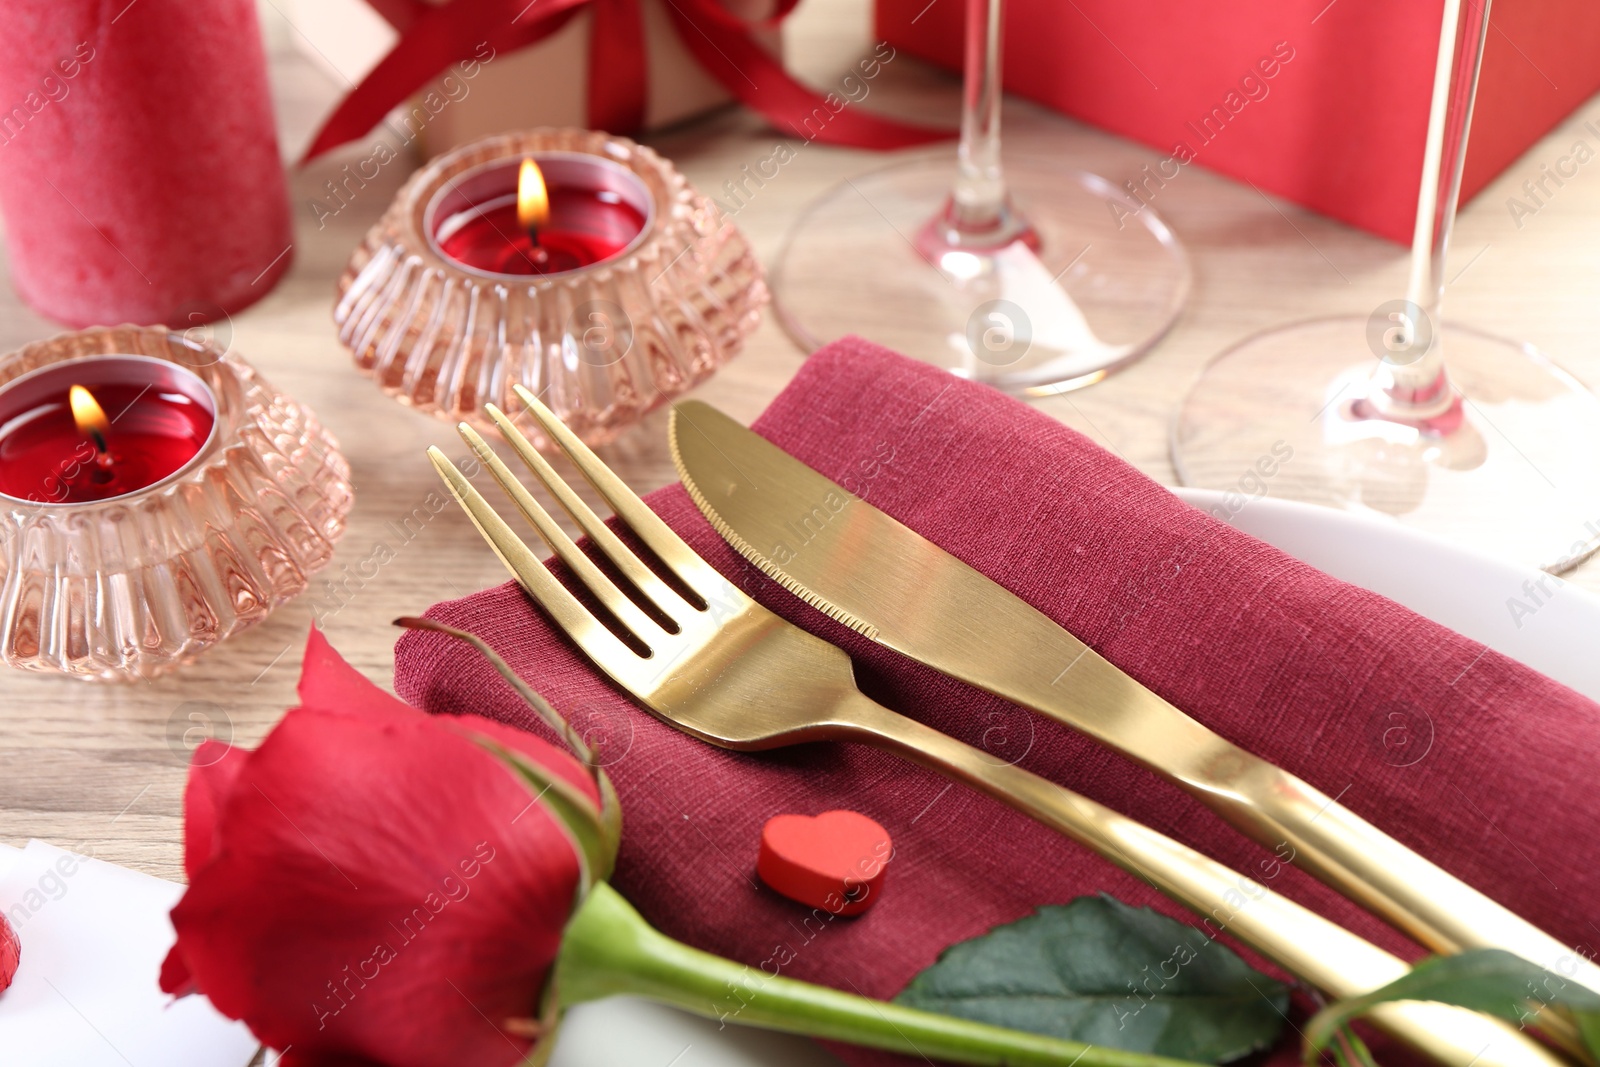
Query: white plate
{"x": 93, "y": 938}
{"x": 1526, "y": 614}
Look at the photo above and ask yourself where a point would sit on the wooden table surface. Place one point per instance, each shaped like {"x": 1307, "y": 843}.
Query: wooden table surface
{"x": 100, "y": 768}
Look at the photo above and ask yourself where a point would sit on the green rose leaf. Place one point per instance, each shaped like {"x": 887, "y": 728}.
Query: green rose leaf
{"x": 1488, "y": 980}
{"x": 1099, "y": 971}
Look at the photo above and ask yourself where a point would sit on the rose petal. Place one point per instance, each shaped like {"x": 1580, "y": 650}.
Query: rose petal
{"x": 524, "y": 743}
{"x": 294, "y": 1058}
{"x": 175, "y": 977}
{"x": 213, "y": 769}
{"x": 329, "y": 683}
{"x": 384, "y": 887}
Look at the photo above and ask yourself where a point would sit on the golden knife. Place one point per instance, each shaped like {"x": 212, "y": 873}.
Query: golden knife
{"x": 874, "y": 574}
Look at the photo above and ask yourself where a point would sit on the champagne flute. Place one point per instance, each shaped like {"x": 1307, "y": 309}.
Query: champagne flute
{"x": 1027, "y": 275}
{"x": 1475, "y": 438}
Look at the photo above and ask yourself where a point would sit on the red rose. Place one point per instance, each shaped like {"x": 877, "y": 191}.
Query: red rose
{"x": 10, "y": 953}
{"x": 372, "y": 883}
{"x": 376, "y": 888}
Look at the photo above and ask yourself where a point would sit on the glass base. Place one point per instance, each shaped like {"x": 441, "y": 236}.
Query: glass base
{"x": 1090, "y": 282}
{"x": 1518, "y": 477}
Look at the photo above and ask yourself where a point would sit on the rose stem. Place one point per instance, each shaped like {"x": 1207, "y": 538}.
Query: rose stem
{"x": 610, "y": 950}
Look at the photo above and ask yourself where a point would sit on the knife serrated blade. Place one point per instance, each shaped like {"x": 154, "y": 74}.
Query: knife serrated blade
{"x": 876, "y": 575}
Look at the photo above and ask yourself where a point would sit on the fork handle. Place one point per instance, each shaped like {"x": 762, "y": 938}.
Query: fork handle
{"x": 1329, "y": 841}
{"x": 1303, "y": 943}
{"x": 1368, "y": 866}
{"x": 1343, "y": 850}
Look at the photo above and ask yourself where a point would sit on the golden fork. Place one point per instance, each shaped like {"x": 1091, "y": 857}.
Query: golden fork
{"x": 730, "y": 672}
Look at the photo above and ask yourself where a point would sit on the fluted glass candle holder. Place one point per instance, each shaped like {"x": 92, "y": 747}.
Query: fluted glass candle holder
{"x": 126, "y": 587}
{"x": 602, "y": 344}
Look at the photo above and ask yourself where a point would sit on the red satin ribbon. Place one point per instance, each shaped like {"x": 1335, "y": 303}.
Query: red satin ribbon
{"x": 435, "y": 36}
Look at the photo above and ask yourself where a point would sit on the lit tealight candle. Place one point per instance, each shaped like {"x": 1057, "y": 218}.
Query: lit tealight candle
{"x": 557, "y": 212}
{"x": 100, "y": 427}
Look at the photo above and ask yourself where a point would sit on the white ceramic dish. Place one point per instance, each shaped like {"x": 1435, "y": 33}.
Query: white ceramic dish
{"x": 1550, "y": 627}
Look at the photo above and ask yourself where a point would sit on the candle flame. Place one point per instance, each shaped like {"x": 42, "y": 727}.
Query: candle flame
{"x": 533, "y": 201}
{"x": 89, "y": 416}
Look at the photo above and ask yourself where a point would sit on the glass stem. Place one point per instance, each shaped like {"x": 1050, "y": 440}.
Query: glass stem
{"x": 1419, "y": 389}
{"x": 609, "y": 950}
{"x": 980, "y": 193}
{"x": 978, "y": 216}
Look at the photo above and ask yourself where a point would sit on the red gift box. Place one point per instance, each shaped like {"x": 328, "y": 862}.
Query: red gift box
{"x": 1324, "y": 103}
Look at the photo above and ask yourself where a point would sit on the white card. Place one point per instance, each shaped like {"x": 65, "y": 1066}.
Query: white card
{"x": 87, "y": 994}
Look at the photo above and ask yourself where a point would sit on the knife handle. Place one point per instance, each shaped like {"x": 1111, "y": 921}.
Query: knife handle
{"x": 1302, "y": 942}
{"x": 1345, "y": 851}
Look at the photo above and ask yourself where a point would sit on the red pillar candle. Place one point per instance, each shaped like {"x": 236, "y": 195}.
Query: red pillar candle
{"x": 139, "y": 170}
{"x": 100, "y": 427}
{"x": 547, "y": 214}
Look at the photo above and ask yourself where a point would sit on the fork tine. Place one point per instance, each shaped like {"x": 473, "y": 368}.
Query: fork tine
{"x": 646, "y": 580}
{"x": 694, "y": 572}
{"x": 599, "y": 643}
{"x": 594, "y": 579}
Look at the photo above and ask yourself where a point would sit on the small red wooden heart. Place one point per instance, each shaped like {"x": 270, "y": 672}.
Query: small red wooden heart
{"x": 10, "y": 953}
{"x": 834, "y": 861}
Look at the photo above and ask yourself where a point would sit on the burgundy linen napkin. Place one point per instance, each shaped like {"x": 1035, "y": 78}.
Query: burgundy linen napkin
{"x": 1473, "y": 760}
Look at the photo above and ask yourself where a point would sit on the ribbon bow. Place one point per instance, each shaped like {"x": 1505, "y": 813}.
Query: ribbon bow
{"x": 434, "y": 36}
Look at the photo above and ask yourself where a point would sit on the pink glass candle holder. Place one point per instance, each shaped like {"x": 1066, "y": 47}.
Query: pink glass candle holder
{"x": 180, "y": 503}
{"x": 632, "y": 290}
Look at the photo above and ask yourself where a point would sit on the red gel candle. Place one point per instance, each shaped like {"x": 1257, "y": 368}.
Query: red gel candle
{"x": 585, "y": 227}
{"x": 593, "y": 211}
{"x": 144, "y": 420}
